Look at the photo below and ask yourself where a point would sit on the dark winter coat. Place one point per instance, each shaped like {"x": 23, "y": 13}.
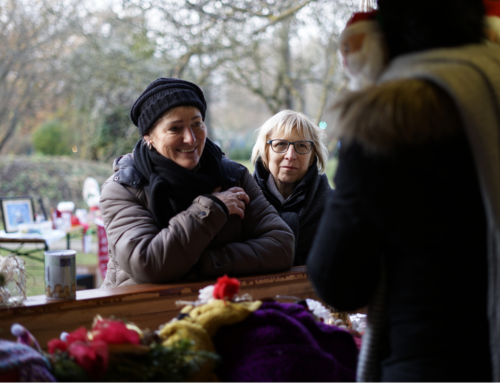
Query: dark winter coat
{"x": 302, "y": 210}
{"x": 408, "y": 206}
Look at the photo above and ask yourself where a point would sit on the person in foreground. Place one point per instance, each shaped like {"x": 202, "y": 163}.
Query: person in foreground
{"x": 177, "y": 208}
{"x": 290, "y": 158}
{"x": 413, "y": 230}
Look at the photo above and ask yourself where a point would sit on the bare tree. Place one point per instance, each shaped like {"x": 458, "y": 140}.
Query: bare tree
{"x": 114, "y": 62}
{"x": 34, "y": 36}
{"x": 255, "y": 43}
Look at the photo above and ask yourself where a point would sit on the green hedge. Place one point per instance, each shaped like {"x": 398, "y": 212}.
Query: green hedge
{"x": 54, "y": 178}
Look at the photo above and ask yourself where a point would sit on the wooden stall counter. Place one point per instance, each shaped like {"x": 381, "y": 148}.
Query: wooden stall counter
{"x": 147, "y": 305}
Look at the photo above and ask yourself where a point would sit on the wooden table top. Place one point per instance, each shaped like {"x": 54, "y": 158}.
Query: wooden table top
{"x": 152, "y": 289}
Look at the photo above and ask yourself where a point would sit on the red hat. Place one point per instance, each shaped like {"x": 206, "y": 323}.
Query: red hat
{"x": 363, "y": 16}
{"x": 492, "y": 7}
{"x": 360, "y": 22}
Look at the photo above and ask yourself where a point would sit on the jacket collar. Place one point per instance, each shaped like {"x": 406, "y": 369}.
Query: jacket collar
{"x": 127, "y": 174}
{"x": 261, "y": 175}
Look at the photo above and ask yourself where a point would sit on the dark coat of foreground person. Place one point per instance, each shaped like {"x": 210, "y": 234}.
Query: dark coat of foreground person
{"x": 177, "y": 208}
{"x": 412, "y": 231}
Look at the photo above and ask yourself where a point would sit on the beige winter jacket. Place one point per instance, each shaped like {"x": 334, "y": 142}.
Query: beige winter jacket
{"x": 201, "y": 241}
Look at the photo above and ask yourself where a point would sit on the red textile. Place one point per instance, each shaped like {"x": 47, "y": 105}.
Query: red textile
{"x": 361, "y": 16}
{"x": 102, "y": 254}
{"x": 492, "y": 7}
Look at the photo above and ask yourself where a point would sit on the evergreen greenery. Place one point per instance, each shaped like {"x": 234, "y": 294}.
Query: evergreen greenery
{"x": 52, "y": 139}
{"x": 178, "y": 363}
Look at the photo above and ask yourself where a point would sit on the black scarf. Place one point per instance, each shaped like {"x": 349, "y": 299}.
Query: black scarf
{"x": 168, "y": 180}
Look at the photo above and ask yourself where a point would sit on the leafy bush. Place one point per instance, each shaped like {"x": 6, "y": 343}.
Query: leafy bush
{"x": 240, "y": 154}
{"x": 52, "y": 138}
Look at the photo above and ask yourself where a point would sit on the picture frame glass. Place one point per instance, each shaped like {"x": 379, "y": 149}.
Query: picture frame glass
{"x": 16, "y": 211}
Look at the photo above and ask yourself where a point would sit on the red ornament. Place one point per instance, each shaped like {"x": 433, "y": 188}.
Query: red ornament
{"x": 92, "y": 357}
{"x": 57, "y": 344}
{"x": 114, "y": 332}
{"x": 74, "y": 220}
{"x": 79, "y": 334}
{"x": 226, "y": 288}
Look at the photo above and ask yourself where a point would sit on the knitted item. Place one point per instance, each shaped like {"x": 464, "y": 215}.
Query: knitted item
{"x": 162, "y": 95}
{"x": 32, "y": 366}
{"x": 283, "y": 342}
{"x": 24, "y": 336}
{"x": 222, "y": 313}
{"x": 183, "y": 329}
{"x": 200, "y": 323}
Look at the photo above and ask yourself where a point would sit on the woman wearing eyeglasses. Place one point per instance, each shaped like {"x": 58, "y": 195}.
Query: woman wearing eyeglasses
{"x": 290, "y": 158}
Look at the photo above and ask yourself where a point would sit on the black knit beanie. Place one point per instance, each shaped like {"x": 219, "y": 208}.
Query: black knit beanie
{"x": 162, "y": 95}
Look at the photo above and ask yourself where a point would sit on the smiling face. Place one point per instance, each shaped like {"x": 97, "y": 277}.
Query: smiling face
{"x": 180, "y": 136}
{"x": 289, "y": 167}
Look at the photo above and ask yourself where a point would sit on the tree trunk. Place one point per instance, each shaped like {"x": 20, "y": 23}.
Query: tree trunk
{"x": 207, "y": 90}
{"x": 286, "y": 56}
{"x": 10, "y": 130}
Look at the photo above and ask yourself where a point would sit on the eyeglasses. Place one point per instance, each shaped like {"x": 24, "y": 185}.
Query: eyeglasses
{"x": 281, "y": 146}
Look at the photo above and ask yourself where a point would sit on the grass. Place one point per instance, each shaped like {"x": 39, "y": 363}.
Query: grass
{"x": 35, "y": 270}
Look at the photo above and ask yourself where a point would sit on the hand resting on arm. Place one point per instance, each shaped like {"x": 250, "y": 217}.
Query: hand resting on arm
{"x": 235, "y": 200}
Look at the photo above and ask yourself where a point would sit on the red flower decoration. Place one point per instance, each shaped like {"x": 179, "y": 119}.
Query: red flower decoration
{"x": 114, "y": 332}
{"x": 226, "y": 288}
{"x": 79, "y": 335}
{"x": 92, "y": 357}
{"x": 57, "y": 344}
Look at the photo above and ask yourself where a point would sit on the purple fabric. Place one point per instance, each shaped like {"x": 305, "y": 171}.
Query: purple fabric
{"x": 32, "y": 366}
{"x": 35, "y": 373}
{"x": 282, "y": 342}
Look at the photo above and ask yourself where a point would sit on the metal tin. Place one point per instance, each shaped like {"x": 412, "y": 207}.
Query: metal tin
{"x": 60, "y": 274}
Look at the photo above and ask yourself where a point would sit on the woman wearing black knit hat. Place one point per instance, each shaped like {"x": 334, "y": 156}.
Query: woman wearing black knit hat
{"x": 413, "y": 230}
{"x": 177, "y": 208}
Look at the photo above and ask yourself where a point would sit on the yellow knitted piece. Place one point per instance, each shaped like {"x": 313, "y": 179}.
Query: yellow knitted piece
{"x": 218, "y": 312}
{"x": 186, "y": 329}
{"x": 201, "y": 324}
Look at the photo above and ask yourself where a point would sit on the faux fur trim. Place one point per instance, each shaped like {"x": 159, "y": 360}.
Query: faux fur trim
{"x": 395, "y": 115}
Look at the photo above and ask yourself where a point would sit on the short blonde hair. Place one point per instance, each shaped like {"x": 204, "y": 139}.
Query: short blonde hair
{"x": 284, "y": 123}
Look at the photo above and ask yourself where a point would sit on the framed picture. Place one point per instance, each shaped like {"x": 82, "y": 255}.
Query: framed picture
{"x": 16, "y": 210}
